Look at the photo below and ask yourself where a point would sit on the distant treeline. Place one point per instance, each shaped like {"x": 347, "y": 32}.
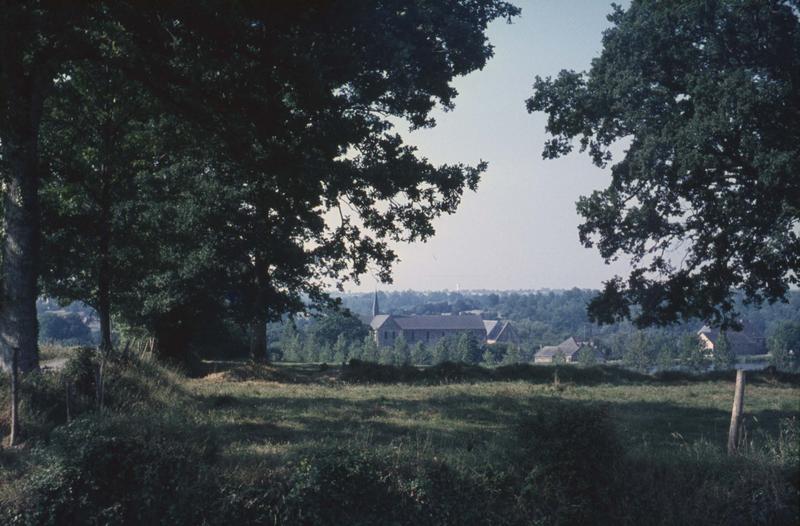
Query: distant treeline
{"x": 540, "y": 318}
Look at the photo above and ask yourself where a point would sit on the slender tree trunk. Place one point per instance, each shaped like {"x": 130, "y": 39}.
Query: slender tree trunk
{"x": 18, "y": 324}
{"x": 736, "y": 413}
{"x": 14, "y": 437}
{"x": 258, "y": 325}
{"x": 104, "y": 271}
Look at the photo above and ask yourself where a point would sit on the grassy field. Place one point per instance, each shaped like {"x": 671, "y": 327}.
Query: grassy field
{"x": 297, "y": 444}
{"x": 466, "y": 423}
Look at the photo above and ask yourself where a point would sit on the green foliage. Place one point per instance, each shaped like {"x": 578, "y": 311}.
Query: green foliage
{"x": 94, "y": 472}
{"x": 68, "y": 328}
{"x": 488, "y": 358}
{"x": 723, "y": 355}
{"x": 512, "y": 356}
{"x": 337, "y": 324}
{"x": 170, "y": 451}
{"x": 587, "y": 356}
{"x": 444, "y": 350}
{"x": 467, "y": 349}
{"x": 783, "y": 343}
{"x": 401, "y": 352}
{"x": 340, "y": 350}
{"x": 420, "y": 354}
{"x": 369, "y": 350}
{"x": 692, "y": 352}
{"x": 569, "y": 480}
{"x": 637, "y": 354}
{"x": 703, "y": 93}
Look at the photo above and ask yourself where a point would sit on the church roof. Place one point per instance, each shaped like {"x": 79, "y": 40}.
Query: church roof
{"x": 430, "y": 322}
{"x": 379, "y": 320}
{"x": 433, "y": 322}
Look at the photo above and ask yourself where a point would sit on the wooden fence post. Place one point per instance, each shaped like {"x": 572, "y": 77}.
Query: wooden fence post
{"x": 736, "y": 413}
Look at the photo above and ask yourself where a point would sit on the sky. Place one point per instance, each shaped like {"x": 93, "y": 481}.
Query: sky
{"x": 519, "y": 229}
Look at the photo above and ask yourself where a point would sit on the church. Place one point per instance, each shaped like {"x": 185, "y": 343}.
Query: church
{"x": 428, "y": 329}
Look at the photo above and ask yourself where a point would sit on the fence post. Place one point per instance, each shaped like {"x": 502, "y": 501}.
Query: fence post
{"x": 736, "y": 413}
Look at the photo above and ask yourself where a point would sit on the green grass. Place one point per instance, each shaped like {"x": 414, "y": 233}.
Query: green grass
{"x": 468, "y": 423}
{"x": 297, "y": 444}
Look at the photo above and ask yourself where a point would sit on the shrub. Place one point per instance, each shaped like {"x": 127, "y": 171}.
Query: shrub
{"x": 572, "y": 452}
{"x": 94, "y": 473}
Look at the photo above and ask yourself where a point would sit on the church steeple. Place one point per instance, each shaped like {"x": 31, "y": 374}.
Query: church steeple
{"x": 375, "y": 309}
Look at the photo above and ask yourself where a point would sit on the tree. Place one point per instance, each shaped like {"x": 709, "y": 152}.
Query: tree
{"x": 467, "y": 349}
{"x": 692, "y": 352}
{"x": 637, "y": 354}
{"x": 488, "y": 358}
{"x": 402, "y": 353}
{"x": 340, "y": 349}
{"x": 586, "y": 356}
{"x": 420, "y": 355}
{"x": 94, "y": 139}
{"x": 442, "y": 351}
{"x": 704, "y": 97}
{"x": 67, "y": 327}
{"x": 369, "y": 351}
{"x": 335, "y": 324}
{"x": 513, "y": 355}
{"x": 723, "y": 355}
{"x": 321, "y": 79}
{"x": 784, "y": 344}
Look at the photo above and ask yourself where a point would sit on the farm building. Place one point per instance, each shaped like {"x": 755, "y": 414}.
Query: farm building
{"x": 744, "y": 342}
{"x": 569, "y": 349}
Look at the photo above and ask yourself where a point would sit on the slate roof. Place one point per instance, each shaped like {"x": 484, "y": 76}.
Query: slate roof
{"x": 378, "y": 320}
{"x": 434, "y": 322}
{"x": 494, "y": 328}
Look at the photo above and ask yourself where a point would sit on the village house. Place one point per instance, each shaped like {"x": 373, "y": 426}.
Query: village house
{"x": 569, "y": 349}
{"x": 428, "y": 329}
{"x": 745, "y": 342}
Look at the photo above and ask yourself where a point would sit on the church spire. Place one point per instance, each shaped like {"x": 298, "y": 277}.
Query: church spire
{"x": 375, "y": 309}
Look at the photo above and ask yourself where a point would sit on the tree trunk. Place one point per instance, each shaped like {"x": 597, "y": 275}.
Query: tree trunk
{"x": 258, "y": 325}
{"x": 14, "y": 438}
{"x": 258, "y": 340}
{"x": 172, "y": 339}
{"x": 104, "y": 271}
{"x": 18, "y": 324}
{"x": 736, "y": 413}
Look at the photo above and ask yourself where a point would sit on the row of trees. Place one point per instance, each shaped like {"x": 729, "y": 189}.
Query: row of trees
{"x": 294, "y": 346}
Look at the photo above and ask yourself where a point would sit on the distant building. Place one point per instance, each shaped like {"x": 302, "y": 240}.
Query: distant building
{"x": 428, "y": 329}
{"x": 499, "y": 331}
{"x": 745, "y": 342}
{"x": 569, "y": 349}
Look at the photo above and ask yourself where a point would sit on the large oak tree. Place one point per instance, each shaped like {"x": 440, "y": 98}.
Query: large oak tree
{"x": 704, "y": 97}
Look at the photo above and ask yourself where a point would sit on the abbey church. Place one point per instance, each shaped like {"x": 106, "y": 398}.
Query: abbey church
{"x": 386, "y": 328}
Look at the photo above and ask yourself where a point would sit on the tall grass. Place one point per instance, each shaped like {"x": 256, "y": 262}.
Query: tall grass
{"x": 450, "y": 445}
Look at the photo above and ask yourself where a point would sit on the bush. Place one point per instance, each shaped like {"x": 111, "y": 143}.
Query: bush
{"x": 572, "y": 454}
{"x": 92, "y": 472}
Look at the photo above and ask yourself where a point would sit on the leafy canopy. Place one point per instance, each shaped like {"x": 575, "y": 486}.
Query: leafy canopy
{"x": 706, "y": 197}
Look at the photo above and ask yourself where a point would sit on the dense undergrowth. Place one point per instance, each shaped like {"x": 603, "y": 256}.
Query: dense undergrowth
{"x": 151, "y": 457}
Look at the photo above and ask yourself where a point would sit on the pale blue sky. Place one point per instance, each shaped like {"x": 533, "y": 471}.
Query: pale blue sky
{"x": 519, "y": 230}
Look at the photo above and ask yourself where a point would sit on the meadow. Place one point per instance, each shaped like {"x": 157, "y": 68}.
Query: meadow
{"x": 313, "y": 444}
